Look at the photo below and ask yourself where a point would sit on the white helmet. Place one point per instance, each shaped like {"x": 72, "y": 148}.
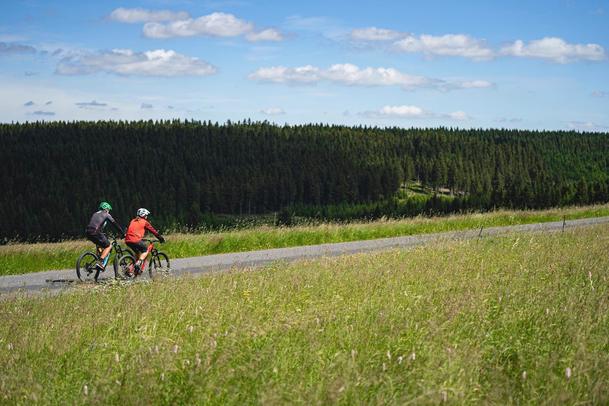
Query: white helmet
{"x": 142, "y": 212}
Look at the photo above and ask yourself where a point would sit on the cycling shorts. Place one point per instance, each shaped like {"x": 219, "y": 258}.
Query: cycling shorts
{"x": 140, "y": 246}
{"x": 99, "y": 239}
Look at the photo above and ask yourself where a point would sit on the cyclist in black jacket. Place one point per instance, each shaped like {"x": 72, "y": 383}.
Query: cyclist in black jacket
{"x": 95, "y": 234}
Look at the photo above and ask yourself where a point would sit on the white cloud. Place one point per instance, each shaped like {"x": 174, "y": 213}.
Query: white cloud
{"x": 140, "y": 15}
{"x": 587, "y": 126}
{"x": 458, "y": 116}
{"x": 160, "y": 62}
{"x": 403, "y": 111}
{"x": 352, "y": 75}
{"x": 413, "y": 112}
{"x": 273, "y": 111}
{"x": 555, "y": 50}
{"x": 212, "y": 25}
{"x": 269, "y": 34}
{"x": 446, "y": 45}
{"x": 375, "y": 34}
{"x": 281, "y": 74}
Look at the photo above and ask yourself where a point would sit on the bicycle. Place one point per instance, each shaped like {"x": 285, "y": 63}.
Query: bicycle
{"x": 86, "y": 265}
{"x": 157, "y": 261}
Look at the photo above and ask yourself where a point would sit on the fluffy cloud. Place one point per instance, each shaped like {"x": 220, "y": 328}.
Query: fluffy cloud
{"x": 549, "y": 48}
{"x": 126, "y": 62}
{"x": 273, "y": 111}
{"x": 375, "y": 34}
{"x": 281, "y": 74}
{"x": 10, "y": 48}
{"x": 269, "y": 34}
{"x": 413, "y": 112}
{"x": 403, "y": 111}
{"x": 352, "y": 75}
{"x": 445, "y": 45}
{"x": 140, "y": 15}
{"x": 555, "y": 50}
{"x": 212, "y": 25}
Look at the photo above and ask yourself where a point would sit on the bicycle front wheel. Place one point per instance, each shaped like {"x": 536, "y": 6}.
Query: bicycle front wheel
{"x": 125, "y": 267}
{"x": 85, "y": 266}
{"x": 159, "y": 265}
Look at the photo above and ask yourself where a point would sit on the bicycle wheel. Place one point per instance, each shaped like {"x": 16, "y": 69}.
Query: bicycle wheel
{"x": 85, "y": 266}
{"x": 159, "y": 265}
{"x": 124, "y": 268}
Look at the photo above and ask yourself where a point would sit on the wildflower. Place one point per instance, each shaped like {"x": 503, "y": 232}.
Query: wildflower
{"x": 190, "y": 329}
{"x": 524, "y": 375}
{"x": 117, "y": 358}
{"x": 175, "y": 349}
{"x": 413, "y": 356}
{"x": 400, "y": 359}
{"x": 389, "y": 355}
{"x": 85, "y": 390}
{"x": 568, "y": 372}
{"x": 10, "y": 346}
{"x": 162, "y": 376}
{"x": 197, "y": 360}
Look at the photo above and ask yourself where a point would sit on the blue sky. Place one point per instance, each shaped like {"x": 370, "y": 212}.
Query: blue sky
{"x": 478, "y": 64}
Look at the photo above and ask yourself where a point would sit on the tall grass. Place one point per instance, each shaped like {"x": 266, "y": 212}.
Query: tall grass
{"x": 24, "y": 258}
{"x": 510, "y": 320}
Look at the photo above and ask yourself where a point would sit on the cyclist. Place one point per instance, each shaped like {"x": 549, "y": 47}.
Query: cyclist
{"x": 95, "y": 234}
{"x": 135, "y": 232}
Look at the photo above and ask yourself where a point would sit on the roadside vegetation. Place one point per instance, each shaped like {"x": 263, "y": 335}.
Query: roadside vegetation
{"x": 25, "y": 258}
{"x": 522, "y": 319}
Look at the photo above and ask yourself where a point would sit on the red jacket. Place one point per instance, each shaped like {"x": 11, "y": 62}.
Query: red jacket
{"x": 137, "y": 228}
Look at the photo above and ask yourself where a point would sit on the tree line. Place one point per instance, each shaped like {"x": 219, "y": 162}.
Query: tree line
{"x": 55, "y": 173}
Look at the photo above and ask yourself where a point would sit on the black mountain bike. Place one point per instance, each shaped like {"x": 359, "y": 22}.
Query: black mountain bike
{"x": 86, "y": 268}
{"x": 157, "y": 261}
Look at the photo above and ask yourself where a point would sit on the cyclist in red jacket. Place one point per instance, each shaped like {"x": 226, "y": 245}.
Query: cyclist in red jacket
{"x": 135, "y": 232}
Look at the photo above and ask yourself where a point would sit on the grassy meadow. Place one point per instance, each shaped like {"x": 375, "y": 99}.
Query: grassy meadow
{"x": 520, "y": 319}
{"x": 25, "y": 258}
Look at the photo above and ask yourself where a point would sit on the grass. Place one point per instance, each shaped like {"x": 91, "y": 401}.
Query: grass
{"x": 522, "y": 319}
{"x": 25, "y": 258}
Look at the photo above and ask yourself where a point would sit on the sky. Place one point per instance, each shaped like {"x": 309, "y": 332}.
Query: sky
{"x": 470, "y": 64}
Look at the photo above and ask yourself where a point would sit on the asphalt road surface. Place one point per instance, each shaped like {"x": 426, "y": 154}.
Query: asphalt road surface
{"x": 55, "y": 281}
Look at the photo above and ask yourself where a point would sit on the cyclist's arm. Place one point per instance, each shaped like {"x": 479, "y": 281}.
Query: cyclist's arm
{"x": 120, "y": 229}
{"x": 153, "y": 230}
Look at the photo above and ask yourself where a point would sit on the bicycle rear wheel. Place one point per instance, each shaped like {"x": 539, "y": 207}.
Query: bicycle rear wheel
{"x": 159, "y": 265}
{"x": 85, "y": 266}
{"x": 125, "y": 268}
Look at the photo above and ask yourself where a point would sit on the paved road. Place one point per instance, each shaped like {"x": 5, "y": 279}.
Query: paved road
{"x": 54, "y": 281}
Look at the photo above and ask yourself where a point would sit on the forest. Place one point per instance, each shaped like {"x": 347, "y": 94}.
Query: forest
{"x": 187, "y": 173}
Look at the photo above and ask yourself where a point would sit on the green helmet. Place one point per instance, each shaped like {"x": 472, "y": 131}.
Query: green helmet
{"x": 105, "y": 206}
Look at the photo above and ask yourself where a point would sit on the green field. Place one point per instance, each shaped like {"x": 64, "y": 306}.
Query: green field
{"x": 522, "y": 319}
{"x": 24, "y": 258}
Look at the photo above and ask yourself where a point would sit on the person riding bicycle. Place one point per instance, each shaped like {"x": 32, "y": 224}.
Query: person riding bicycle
{"x": 135, "y": 232}
{"x": 95, "y": 234}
